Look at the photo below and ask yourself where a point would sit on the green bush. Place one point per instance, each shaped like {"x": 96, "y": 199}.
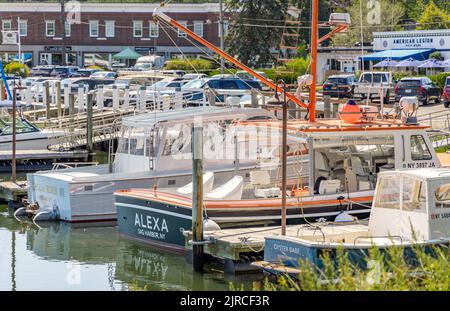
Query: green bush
{"x": 390, "y": 270}
{"x": 191, "y": 64}
{"x": 439, "y": 79}
{"x": 15, "y": 67}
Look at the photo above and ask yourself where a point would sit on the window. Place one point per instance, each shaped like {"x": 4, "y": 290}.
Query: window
{"x": 68, "y": 28}
{"x": 110, "y": 29}
{"x": 198, "y": 28}
{"x": 6, "y": 25}
{"x": 442, "y": 196}
{"x": 137, "y": 29}
{"x": 226, "y": 26}
{"x": 154, "y": 30}
{"x": 414, "y": 195}
{"x": 50, "y": 28}
{"x": 388, "y": 193}
{"x": 23, "y": 28}
{"x": 93, "y": 28}
{"x": 419, "y": 149}
{"x": 182, "y": 34}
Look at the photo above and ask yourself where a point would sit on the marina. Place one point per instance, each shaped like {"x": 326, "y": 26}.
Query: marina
{"x": 198, "y": 164}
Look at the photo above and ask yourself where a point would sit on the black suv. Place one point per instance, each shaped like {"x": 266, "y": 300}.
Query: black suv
{"x": 421, "y": 87}
{"x": 339, "y": 86}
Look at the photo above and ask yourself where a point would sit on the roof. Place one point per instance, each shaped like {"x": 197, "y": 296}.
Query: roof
{"x": 425, "y": 174}
{"x": 418, "y": 54}
{"x": 189, "y": 114}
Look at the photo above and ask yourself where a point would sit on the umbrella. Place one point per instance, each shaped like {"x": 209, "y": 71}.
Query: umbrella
{"x": 127, "y": 54}
{"x": 432, "y": 63}
{"x": 410, "y": 62}
{"x": 386, "y": 64}
{"x": 446, "y": 63}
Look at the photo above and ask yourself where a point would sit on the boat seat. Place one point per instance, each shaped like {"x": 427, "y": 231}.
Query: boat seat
{"x": 232, "y": 190}
{"x": 361, "y": 172}
{"x": 322, "y": 164}
{"x": 262, "y": 185}
{"x": 208, "y": 181}
{"x": 330, "y": 186}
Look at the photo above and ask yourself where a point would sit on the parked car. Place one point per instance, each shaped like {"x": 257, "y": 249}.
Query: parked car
{"x": 446, "y": 93}
{"x": 372, "y": 84}
{"x": 217, "y": 84}
{"x": 84, "y": 73}
{"x": 421, "y": 87}
{"x": 339, "y": 86}
{"x": 91, "y": 84}
{"x": 64, "y": 72}
{"x": 41, "y": 71}
{"x": 104, "y": 75}
{"x": 194, "y": 76}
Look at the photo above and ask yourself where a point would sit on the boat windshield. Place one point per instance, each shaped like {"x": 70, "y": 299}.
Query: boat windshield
{"x": 21, "y": 126}
{"x": 194, "y": 84}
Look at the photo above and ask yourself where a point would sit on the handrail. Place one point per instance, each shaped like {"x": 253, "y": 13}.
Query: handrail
{"x": 378, "y": 237}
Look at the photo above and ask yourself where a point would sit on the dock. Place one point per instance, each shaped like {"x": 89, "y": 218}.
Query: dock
{"x": 233, "y": 250}
{"x": 13, "y": 193}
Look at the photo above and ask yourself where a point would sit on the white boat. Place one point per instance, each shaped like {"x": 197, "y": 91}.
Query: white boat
{"x": 410, "y": 208}
{"x": 154, "y": 150}
{"x": 28, "y": 136}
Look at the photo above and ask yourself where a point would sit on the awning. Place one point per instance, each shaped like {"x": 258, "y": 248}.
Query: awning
{"x": 418, "y": 54}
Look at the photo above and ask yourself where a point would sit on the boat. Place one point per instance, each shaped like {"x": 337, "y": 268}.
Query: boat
{"x": 28, "y": 135}
{"x": 154, "y": 150}
{"x": 345, "y": 156}
{"x": 410, "y": 209}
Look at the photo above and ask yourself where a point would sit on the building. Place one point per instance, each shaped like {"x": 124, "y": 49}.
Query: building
{"x": 339, "y": 60}
{"x": 417, "y": 44}
{"x": 96, "y": 31}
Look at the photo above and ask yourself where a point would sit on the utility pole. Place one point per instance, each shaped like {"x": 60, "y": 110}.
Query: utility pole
{"x": 222, "y": 35}
{"x": 19, "y": 42}
{"x": 63, "y": 27}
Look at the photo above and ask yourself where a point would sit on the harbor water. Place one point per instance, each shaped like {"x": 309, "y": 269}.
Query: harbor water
{"x": 62, "y": 256}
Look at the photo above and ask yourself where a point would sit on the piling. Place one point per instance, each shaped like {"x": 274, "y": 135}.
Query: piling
{"x": 13, "y": 162}
{"x": 327, "y": 106}
{"x": 47, "y": 99}
{"x": 254, "y": 98}
{"x": 2, "y": 88}
{"x": 89, "y": 127}
{"x": 58, "y": 99}
{"x": 197, "y": 198}
{"x": 211, "y": 97}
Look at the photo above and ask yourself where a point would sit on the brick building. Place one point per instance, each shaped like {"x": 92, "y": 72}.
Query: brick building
{"x": 96, "y": 31}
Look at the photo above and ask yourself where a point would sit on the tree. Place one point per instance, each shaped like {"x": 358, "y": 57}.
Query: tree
{"x": 436, "y": 55}
{"x": 252, "y": 33}
{"x": 434, "y": 18}
{"x": 377, "y": 16}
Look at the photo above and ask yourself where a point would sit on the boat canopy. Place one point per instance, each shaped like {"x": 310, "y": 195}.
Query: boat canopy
{"x": 412, "y": 205}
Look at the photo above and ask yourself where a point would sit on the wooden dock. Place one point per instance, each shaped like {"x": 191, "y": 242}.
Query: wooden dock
{"x": 13, "y": 193}
{"x": 233, "y": 250}
{"x": 42, "y": 154}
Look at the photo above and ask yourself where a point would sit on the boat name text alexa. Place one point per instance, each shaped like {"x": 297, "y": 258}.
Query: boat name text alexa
{"x": 151, "y": 223}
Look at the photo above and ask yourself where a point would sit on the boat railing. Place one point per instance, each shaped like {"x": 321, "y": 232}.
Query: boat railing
{"x": 64, "y": 165}
{"x": 436, "y": 120}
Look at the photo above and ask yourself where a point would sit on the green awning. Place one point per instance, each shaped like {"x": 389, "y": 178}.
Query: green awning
{"x": 127, "y": 54}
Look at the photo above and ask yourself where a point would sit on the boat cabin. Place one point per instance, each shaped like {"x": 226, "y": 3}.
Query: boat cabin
{"x": 162, "y": 141}
{"x": 412, "y": 205}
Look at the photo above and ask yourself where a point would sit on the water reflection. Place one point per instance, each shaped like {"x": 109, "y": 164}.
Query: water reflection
{"x": 61, "y": 256}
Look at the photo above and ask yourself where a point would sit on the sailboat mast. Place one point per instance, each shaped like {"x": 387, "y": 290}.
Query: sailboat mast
{"x": 314, "y": 44}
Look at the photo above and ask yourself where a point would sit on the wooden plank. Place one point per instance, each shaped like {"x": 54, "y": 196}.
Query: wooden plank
{"x": 41, "y": 154}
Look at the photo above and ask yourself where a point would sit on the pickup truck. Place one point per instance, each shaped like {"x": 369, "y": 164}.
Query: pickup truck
{"x": 374, "y": 84}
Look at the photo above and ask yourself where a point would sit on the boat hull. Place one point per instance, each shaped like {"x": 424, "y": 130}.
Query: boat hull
{"x": 139, "y": 212}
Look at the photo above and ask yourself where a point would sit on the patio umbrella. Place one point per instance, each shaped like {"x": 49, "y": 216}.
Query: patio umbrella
{"x": 446, "y": 63}
{"x": 431, "y": 63}
{"x": 387, "y": 63}
{"x": 410, "y": 62}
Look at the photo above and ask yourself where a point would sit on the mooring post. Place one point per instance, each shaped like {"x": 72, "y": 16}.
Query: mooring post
{"x": 284, "y": 163}
{"x": 13, "y": 164}
{"x": 2, "y": 88}
{"x": 47, "y": 99}
{"x": 71, "y": 111}
{"x": 327, "y": 106}
{"x": 89, "y": 127}
{"x": 254, "y": 98}
{"x": 58, "y": 99}
{"x": 197, "y": 196}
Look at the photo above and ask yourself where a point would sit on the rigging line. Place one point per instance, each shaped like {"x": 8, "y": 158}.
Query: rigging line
{"x": 214, "y": 59}
{"x": 179, "y": 49}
